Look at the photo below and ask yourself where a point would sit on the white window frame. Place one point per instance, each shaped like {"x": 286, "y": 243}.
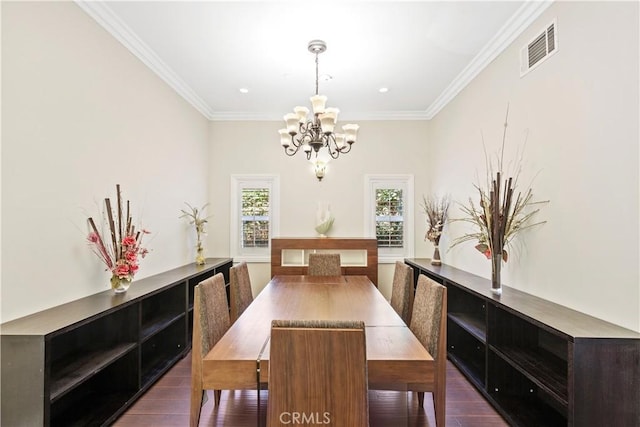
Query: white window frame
{"x": 404, "y": 182}
{"x": 238, "y": 183}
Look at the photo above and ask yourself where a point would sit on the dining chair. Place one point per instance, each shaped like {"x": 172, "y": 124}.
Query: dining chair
{"x": 429, "y": 325}
{"x": 324, "y": 265}
{"x": 240, "y": 293}
{"x": 318, "y": 373}
{"x": 210, "y": 322}
{"x": 402, "y": 291}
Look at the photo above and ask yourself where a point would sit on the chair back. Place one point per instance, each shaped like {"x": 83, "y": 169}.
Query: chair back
{"x": 240, "y": 293}
{"x": 210, "y": 323}
{"x": 318, "y": 374}
{"x": 402, "y": 291}
{"x": 429, "y": 325}
{"x": 324, "y": 265}
{"x": 429, "y": 317}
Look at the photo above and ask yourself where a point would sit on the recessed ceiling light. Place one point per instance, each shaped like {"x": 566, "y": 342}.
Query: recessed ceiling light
{"x": 383, "y": 90}
{"x": 243, "y": 90}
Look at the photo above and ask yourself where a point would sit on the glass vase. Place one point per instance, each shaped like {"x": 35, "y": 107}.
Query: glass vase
{"x": 435, "y": 260}
{"x": 496, "y": 265}
{"x": 119, "y": 285}
{"x": 200, "y": 259}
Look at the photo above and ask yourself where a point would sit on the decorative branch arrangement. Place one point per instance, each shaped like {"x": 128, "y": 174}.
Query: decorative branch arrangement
{"x": 499, "y": 217}
{"x": 194, "y": 218}
{"x": 120, "y": 252}
{"x": 436, "y": 209}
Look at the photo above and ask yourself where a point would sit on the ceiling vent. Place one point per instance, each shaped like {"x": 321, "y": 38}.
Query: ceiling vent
{"x": 540, "y": 48}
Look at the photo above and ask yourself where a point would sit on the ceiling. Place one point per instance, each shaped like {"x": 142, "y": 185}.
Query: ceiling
{"x": 424, "y": 52}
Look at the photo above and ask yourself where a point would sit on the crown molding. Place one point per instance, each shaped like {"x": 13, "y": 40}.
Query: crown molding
{"x": 516, "y": 25}
{"x": 519, "y": 22}
{"x": 104, "y": 16}
{"x": 360, "y": 116}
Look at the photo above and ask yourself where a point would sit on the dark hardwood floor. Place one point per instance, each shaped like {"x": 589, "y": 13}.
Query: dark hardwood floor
{"x": 166, "y": 404}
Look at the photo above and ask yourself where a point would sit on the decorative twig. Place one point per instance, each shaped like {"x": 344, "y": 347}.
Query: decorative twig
{"x": 500, "y": 216}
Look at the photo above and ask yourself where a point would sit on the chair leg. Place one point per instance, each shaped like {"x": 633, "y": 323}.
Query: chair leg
{"x": 196, "y": 403}
{"x": 439, "y": 406}
{"x": 421, "y": 399}
{"x": 196, "y": 389}
{"x": 216, "y": 397}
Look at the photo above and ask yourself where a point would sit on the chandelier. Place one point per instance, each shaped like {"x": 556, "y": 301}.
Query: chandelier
{"x": 317, "y": 131}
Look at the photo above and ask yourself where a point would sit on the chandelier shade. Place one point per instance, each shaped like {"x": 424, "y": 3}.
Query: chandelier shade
{"x": 311, "y": 133}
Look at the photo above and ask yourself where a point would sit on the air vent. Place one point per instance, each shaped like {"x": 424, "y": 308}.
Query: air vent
{"x": 540, "y": 48}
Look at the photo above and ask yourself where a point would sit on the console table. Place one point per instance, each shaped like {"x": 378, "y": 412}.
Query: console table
{"x": 358, "y": 256}
{"x": 85, "y": 362}
{"x": 537, "y": 362}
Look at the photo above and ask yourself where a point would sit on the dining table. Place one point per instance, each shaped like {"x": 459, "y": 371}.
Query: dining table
{"x": 395, "y": 357}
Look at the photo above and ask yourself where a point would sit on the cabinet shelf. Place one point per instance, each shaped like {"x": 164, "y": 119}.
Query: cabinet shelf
{"x": 545, "y": 370}
{"x": 527, "y": 411}
{"x": 76, "y": 369}
{"x": 471, "y": 324}
{"x": 157, "y": 324}
{"x": 95, "y": 400}
{"x": 163, "y": 350}
{"x": 471, "y": 371}
{"x": 467, "y": 351}
{"x": 103, "y": 406}
{"x": 156, "y": 367}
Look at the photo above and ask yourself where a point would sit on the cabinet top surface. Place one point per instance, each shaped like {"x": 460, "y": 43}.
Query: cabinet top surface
{"x": 59, "y": 317}
{"x": 570, "y": 322}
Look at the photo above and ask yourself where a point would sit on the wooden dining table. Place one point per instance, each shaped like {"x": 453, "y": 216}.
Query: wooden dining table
{"x": 240, "y": 359}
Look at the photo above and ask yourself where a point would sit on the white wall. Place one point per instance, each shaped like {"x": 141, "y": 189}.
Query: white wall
{"x": 81, "y": 114}
{"x": 581, "y": 107}
{"x": 254, "y": 147}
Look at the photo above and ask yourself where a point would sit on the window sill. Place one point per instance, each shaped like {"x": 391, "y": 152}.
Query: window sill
{"x": 252, "y": 259}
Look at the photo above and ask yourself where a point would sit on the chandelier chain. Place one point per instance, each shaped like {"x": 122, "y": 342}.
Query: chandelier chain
{"x": 316, "y": 73}
{"x": 315, "y": 132}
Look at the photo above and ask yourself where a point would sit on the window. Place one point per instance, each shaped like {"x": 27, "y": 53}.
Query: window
{"x": 254, "y": 216}
{"x": 388, "y": 215}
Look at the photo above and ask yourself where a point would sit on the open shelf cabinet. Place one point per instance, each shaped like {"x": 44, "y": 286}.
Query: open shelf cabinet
{"x": 538, "y": 363}
{"x": 358, "y": 256}
{"x": 83, "y": 363}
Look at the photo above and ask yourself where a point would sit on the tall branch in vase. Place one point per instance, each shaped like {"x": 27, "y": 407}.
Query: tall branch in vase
{"x": 498, "y": 217}
{"x": 199, "y": 223}
{"x": 121, "y": 251}
{"x": 435, "y": 209}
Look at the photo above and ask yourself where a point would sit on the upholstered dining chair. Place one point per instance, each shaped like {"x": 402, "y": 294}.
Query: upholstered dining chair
{"x": 318, "y": 369}
{"x": 324, "y": 265}
{"x": 240, "y": 293}
{"x": 429, "y": 325}
{"x": 402, "y": 291}
{"x": 210, "y": 322}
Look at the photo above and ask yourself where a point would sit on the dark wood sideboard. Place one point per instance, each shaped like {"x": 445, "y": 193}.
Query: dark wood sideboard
{"x": 538, "y": 363}
{"x": 85, "y": 362}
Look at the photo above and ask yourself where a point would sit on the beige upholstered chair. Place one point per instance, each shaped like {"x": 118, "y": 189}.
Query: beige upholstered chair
{"x": 210, "y": 322}
{"x": 429, "y": 325}
{"x": 240, "y": 293}
{"x": 402, "y": 291}
{"x": 318, "y": 368}
{"x": 324, "y": 265}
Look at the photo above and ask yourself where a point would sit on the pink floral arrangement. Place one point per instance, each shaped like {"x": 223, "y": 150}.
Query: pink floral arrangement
{"x": 122, "y": 248}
